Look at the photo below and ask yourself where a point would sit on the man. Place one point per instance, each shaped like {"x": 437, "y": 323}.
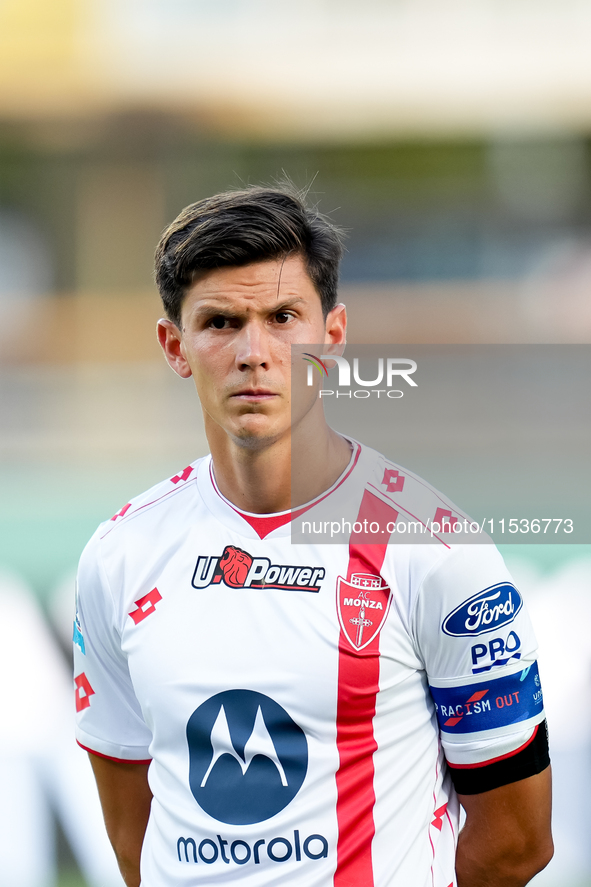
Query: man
{"x": 241, "y": 727}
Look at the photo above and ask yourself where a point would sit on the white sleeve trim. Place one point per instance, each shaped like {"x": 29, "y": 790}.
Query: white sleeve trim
{"x": 111, "y": 749}
{"x": 483, "y": 750}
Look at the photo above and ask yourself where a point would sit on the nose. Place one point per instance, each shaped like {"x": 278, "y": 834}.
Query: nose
{"x": 252, "y": 346}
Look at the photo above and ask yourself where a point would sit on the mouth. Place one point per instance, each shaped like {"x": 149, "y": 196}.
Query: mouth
{"x": 254, "y": 395}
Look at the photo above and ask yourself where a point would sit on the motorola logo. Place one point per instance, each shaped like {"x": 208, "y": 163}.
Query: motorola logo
{"x": 248, "y": 758}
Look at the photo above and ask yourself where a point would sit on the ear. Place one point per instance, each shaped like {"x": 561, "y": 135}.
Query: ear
{"x": 170, "y": 338}
{"x": 336, "y": 329}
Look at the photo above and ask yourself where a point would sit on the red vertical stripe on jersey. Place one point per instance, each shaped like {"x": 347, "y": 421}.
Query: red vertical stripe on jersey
{"x": 359, "y": 674}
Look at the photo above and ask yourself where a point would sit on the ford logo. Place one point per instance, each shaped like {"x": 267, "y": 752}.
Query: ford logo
{"x": 485, "y": 611}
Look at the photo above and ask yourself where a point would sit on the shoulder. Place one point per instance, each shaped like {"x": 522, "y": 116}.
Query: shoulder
{"x": 422, "y": 509}
{"x": 143, "y": 515}
{"x": 130, "y": 542}
{"x": 434, "y": 548}
{"x": 150, "y": 504}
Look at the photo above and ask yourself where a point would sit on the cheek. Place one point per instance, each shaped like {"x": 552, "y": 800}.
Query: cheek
{"x": 207, "y": 365}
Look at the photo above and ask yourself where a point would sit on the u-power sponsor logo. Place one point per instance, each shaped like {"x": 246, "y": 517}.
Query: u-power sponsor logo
{"x": 485, "y": 611}
{"x": 385, "y": 375}
{"x": 236, "y": 568}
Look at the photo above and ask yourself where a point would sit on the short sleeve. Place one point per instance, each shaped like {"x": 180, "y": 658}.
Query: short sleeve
{"x": 478, "y": 646}
{"x": 109, "y": 720}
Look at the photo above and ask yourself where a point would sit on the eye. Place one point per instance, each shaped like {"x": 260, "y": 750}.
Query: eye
{"x": 218, "y": 322}
{"x": 283, "y": 317}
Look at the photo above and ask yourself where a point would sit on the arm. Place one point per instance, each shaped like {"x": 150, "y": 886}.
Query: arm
{"x": 506, "y": 839}
{"x": 125, "y": 798}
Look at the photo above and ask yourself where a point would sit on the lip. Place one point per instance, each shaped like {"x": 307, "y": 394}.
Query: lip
{"x": 252, "y": 394}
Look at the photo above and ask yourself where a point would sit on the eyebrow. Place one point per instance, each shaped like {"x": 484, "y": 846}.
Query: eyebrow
{"x": 211, "y": 310}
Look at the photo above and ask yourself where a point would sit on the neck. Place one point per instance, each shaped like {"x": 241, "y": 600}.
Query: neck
{"x": 281, "y": 475}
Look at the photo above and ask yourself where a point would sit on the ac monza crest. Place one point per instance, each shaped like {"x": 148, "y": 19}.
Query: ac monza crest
{"x": 363, "y": 604}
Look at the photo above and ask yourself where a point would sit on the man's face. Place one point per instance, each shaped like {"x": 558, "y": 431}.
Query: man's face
{"x": 238, "y": 325}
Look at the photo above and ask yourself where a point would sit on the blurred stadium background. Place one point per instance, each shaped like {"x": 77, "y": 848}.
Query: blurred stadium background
{"x": 452, "y": 140}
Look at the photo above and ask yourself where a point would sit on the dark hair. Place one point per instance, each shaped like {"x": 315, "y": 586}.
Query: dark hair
{"x": 239, "y": 227}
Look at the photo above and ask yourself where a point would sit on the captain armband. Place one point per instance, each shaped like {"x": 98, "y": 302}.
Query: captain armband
{"x": 500, "y": 704}
{"x": 530, "y": 759}
{"x": 494, "y": 707}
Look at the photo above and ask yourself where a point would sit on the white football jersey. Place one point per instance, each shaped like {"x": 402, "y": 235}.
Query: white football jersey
{"x": 298, "y": 701}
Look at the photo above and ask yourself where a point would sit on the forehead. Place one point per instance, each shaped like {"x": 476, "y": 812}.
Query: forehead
{"x": 259, "y": 285}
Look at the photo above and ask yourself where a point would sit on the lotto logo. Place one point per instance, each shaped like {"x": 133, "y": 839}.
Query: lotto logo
{"x": 123, "y": 511}
{"x": 438, "y": 817}
{"x": 445, "y": 520}
{"x": 183, "y": 475}
{"x": 83, "y": 692}
{"x": 145, "y": 606}
{"x": 393, "y": 480}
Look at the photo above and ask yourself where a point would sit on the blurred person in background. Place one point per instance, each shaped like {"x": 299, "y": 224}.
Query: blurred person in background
{"x": 42, "y": 773}
{"x": 257, "y": 711}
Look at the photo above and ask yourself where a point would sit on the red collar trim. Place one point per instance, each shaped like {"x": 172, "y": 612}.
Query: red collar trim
{"x": 263, "y": 524}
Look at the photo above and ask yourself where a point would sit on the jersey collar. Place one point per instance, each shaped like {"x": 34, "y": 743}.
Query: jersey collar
{"x": 260, "y": 525}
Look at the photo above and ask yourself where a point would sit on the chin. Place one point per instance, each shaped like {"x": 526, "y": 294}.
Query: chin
{"x": 256, "y": 438}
